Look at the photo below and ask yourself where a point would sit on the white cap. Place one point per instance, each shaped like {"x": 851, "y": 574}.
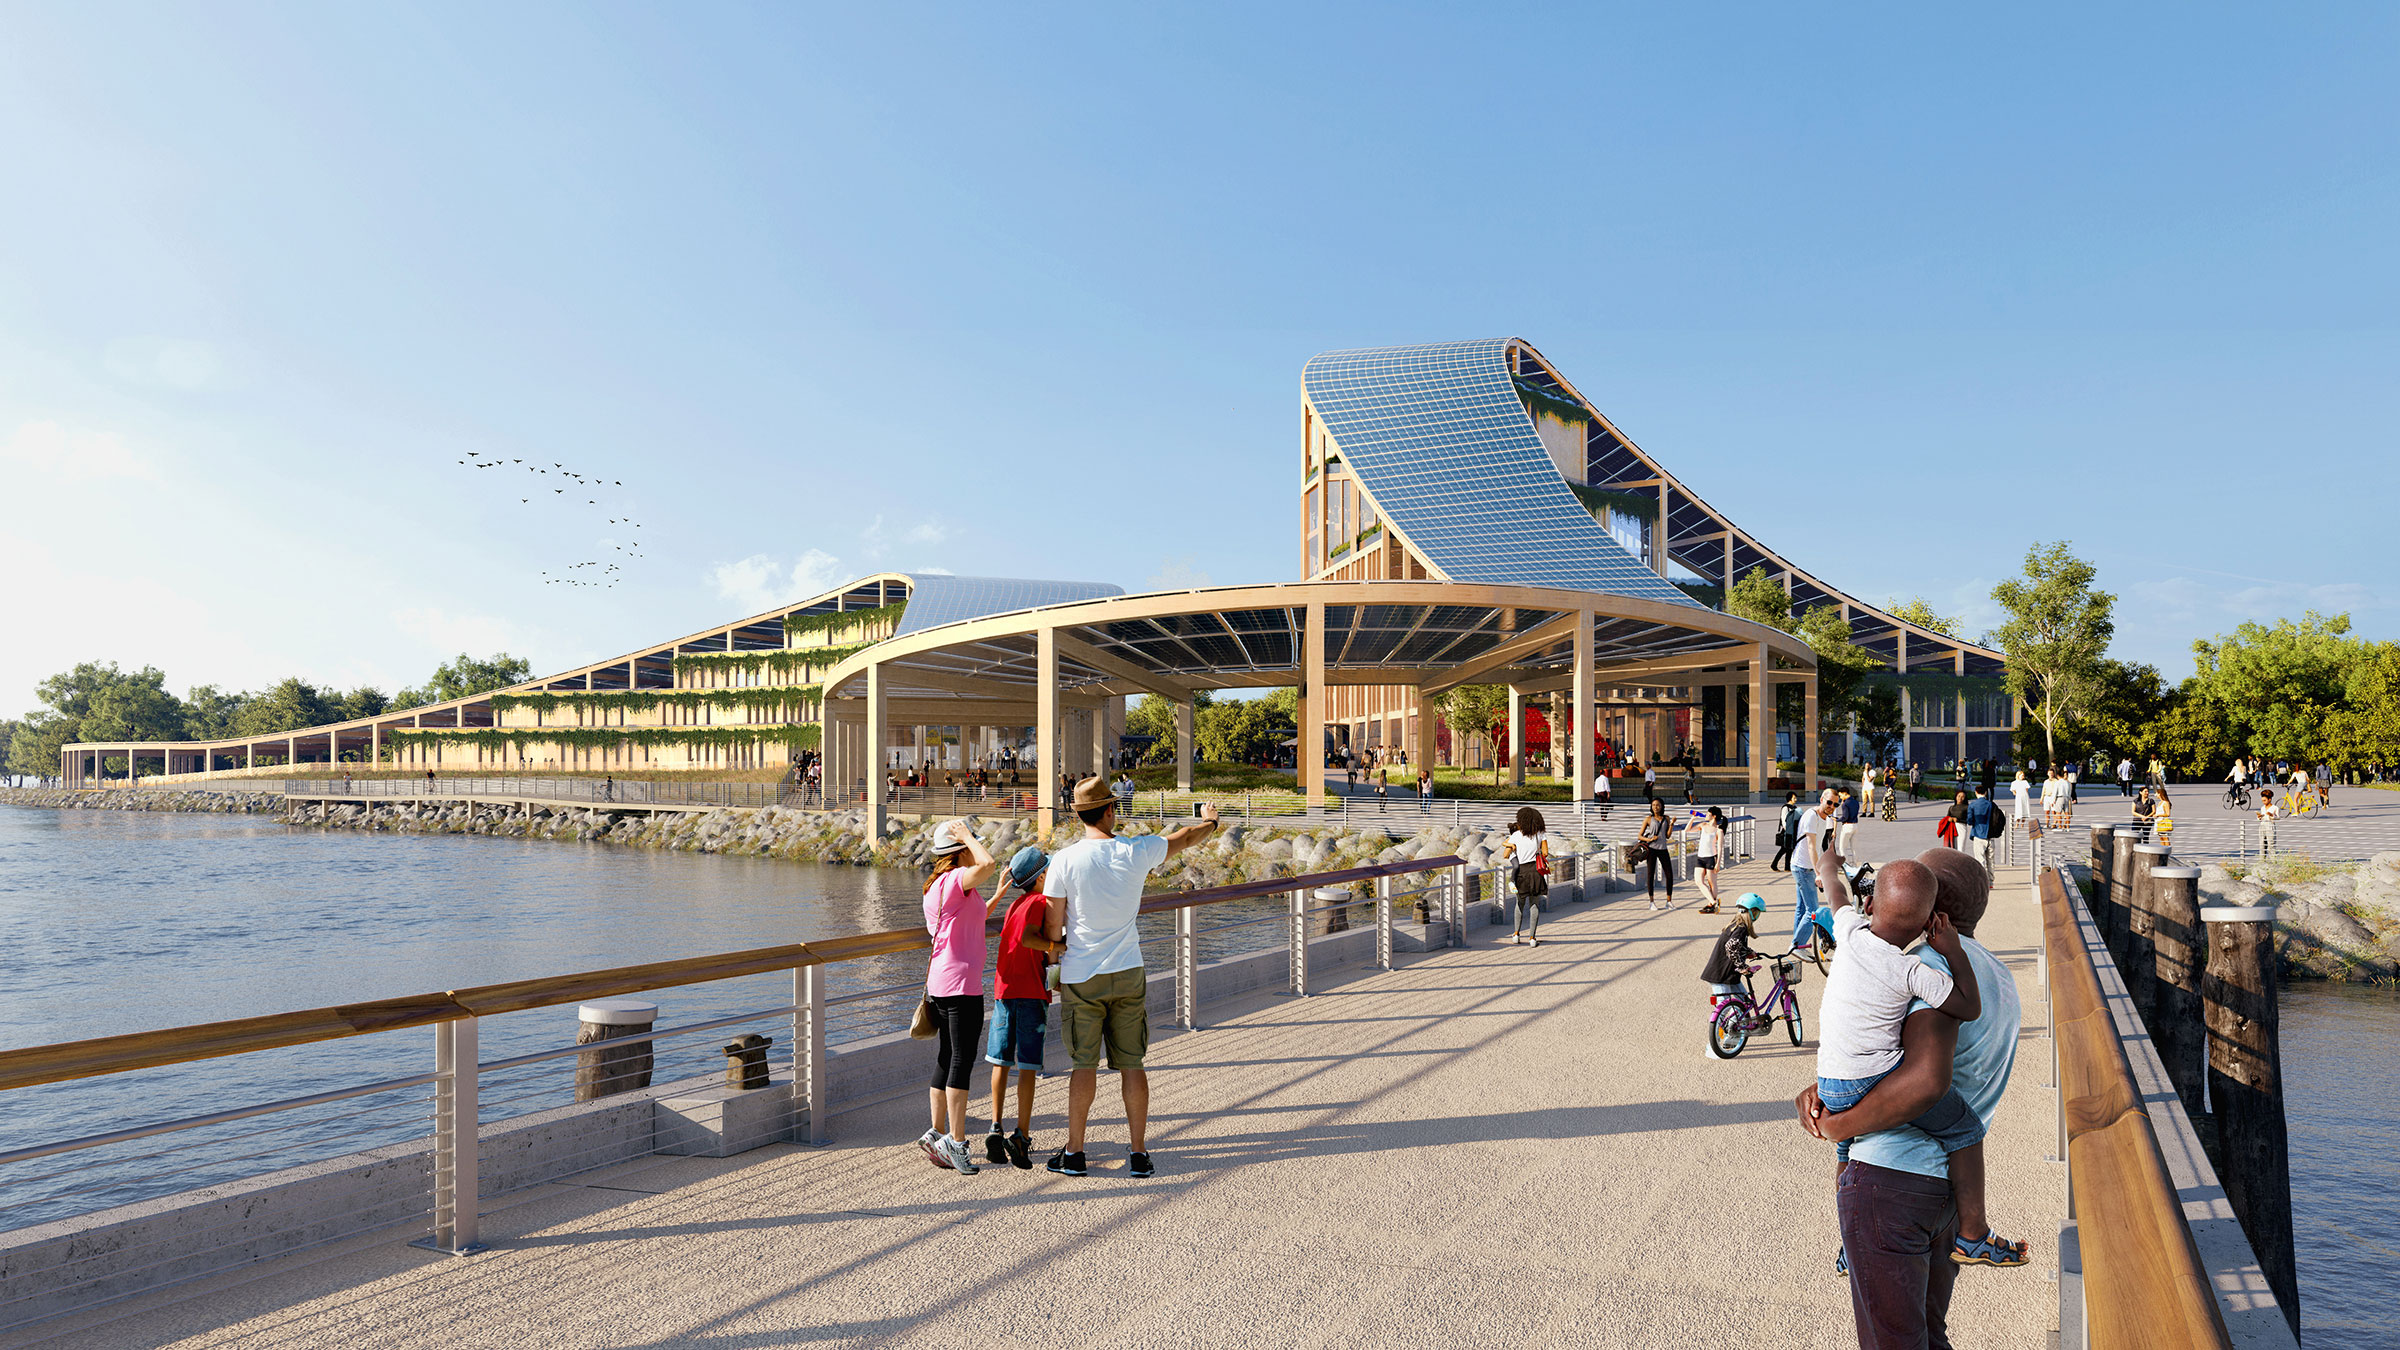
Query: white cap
{"x": 618, "y": 1012}
{"x": 947, "y": 838}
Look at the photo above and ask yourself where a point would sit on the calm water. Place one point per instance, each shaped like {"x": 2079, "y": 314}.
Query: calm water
{"x": 120, "y": 922}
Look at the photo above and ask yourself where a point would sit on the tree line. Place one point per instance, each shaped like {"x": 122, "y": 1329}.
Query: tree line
{"x": 97, "y": 701}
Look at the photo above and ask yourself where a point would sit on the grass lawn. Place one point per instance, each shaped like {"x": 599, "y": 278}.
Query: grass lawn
{"x": 1214, "y": 776}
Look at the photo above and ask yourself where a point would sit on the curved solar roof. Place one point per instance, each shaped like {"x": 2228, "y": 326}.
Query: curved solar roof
{"x": 937, "y": 598}
{"x": 1447, "y": 450}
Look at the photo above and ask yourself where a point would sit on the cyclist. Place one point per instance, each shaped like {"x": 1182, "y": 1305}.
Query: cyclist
{"x": 2299, "y": 783}
{"x": 1732, "y": 951}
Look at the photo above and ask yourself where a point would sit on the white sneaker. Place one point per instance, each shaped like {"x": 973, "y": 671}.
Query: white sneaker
{"x": 931, "y": 1142}
{"x": 955, "y": 1152}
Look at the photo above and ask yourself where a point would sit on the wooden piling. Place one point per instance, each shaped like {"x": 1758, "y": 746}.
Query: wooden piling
{"x": 2178, "y": 949}
{"x": 2138, "y": 963}
{"x": 2104, "y": 852}
{"x": 615, "y": 1064}
{"x": 2110, "y": 911}
{"x": 2245, "y": 1084}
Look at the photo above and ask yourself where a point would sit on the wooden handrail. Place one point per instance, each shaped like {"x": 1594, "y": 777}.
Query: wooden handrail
{"x": 2143, "y": 1281}
{"x": 104, "y": 1055}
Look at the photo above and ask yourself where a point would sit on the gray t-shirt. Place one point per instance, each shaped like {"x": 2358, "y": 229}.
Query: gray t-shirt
{"x": 1987, "y": 1053}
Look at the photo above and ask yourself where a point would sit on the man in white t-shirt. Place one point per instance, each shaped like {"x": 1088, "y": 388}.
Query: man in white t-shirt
{"x": 1104, "y": 992}
{"x": 1814, "y": 822}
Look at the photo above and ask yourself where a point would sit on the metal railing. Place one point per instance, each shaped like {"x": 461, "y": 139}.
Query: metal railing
{"x": 467, "y": 1095}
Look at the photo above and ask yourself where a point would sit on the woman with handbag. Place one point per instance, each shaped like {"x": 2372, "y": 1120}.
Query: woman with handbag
{"x": 952, "y": 1012}
{"x": 1529, "y": 856}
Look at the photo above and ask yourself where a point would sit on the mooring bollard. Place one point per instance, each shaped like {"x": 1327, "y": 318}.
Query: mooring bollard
{"x": 2112, "y": 903}
{"x": 2176, "y": 952}
{"x": 608, "y": 1069}
{"x": 2140, "y": 965}
{"x": 2245, "y": 1085}
{"x": 2104, "y": 846}
{"x": 746, "y": 1063}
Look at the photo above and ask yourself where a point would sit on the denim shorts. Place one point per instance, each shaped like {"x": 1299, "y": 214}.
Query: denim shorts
{"x": 1016, "y": 1039}
{"x": 1950, "y": 1122}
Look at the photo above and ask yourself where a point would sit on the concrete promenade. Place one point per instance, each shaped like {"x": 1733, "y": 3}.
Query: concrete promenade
{"x": 1491, "y": 1146}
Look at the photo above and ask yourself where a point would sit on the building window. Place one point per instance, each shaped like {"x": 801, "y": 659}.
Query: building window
{"x": 1316, "y": 534}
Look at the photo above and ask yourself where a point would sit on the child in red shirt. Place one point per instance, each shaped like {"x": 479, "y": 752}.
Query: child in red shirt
{"x": 1024, "y": 998}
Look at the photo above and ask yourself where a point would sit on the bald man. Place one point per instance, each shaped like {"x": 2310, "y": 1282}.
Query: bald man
{"x": 1899, "y": 1219}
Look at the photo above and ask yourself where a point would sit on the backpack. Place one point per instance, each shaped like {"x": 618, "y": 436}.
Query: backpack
{"x": 1979, "y": 817}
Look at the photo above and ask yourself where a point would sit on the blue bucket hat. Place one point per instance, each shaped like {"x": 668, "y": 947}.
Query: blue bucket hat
{"x": 1029, "y": 862}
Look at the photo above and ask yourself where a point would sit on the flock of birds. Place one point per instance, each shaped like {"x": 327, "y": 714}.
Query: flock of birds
{"x": 575, "y": 574}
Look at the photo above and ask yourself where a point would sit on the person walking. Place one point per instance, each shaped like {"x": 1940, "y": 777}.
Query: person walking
{"x": 1787, "y": 835}
{"x": 2125, "y": 776}
{"x": 1691, "y": 781}
{"x": 1811, "y": 831}
{"x": 1916, "y": 782}
{"x": 1103, "y": 987}
{"x": 1529, "y": 874}
{"x": 1650, "y": 781}
{"x": 1600, "y": 792}
{"x": 2022, "y": 792}
{"x": 1866, "y": 791}
{"x": 1983, "y": 824}
{"x": 1651, "y": 843}
{"x": 1709, "y": 853}
{"x": 1846, "y": 808}
{"x": 955, "y": 913}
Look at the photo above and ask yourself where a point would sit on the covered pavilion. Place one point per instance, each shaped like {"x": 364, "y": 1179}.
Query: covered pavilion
{"x": 1030, "y": 666}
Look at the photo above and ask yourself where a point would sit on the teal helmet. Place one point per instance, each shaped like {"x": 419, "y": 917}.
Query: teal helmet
{"x": 1752, "y": 901}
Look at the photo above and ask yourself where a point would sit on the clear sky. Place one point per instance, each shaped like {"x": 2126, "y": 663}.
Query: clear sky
{"x": 1025, "y": 290}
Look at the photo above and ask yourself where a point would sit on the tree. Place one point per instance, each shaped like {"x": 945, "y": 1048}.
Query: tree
{"x": 1761, "y": 599}
{"x": 1473, "y": 710}
{"x": 2057, "y": 630}
{"x": 8, "y": 733}
{"x": 1879, "y": 721}
{"x": 1915, "y": 609}
{"x": 2367, "y": 730}
{"x": 288, "y": 706}
{"x": 361, "y": 702}
{"x": 1151, "y": 715}
{"x": 467, "y": 677}
{"x": 2279, "y": 686}
{"x": 34, "y": 749}
{"x": 136, "y": 708}
{"x": 209, "y": 713}
{"x": 1231, "y": 732}
{"x": 1842, "y": 666}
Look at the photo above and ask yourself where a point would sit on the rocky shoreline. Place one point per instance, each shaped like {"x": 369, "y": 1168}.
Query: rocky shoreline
{"x": 1242, "y": 852}
{"x": 2337, "y": 922}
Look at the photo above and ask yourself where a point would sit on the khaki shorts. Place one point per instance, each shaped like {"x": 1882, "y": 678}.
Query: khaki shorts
{"x": 1111, "y": 1010}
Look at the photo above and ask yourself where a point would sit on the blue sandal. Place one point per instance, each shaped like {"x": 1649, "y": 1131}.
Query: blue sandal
{"x": 1989, "y": 1250}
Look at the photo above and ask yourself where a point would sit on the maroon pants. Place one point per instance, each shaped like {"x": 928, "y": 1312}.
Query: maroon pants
{"x": 1897, "y": 1228}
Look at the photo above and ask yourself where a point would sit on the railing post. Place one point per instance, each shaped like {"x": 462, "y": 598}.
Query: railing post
{"x": 1187, "y": 967}
{"x": 808, "y": 1049}
{"x": 1383, "y": 922}
{"x": 1300, "y": 941}
{"x": 1458, "y": 906}
{"x": 457, "y": 1204}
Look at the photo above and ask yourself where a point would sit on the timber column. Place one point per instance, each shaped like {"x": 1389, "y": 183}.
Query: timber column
{"x": 878, "y": 711}
{"x": 1580, "y": 715}
{"x": 1183, "y": 746}
{"x": 1808, "y": 738}
{"x": 1762, "y": 723}
{"x": 1308, "y": 750}
{"x": 1046, "y": 746}
{"x": 1516, "y": 737}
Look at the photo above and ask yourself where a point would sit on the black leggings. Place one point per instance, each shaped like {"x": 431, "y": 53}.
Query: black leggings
{"x": 960, "y": 1017}
{"x": 1660, "y": 870}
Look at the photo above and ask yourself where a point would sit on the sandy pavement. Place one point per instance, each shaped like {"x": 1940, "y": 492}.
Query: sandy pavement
{"x": 1491, "y": 1146}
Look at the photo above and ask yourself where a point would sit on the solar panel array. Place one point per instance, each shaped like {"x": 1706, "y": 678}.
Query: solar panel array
{"x": 936, "y": 599}
{"x": 1438, "y": 435}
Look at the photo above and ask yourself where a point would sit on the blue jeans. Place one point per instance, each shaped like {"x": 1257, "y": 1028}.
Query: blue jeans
{"x": 1950, "y": 1121}
{"x": 1804, "y": 887}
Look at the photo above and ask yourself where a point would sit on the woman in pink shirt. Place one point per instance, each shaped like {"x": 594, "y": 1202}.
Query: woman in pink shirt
{"x": 955, "y": 913}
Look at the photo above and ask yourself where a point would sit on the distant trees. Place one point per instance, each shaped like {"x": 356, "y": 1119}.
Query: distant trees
{"x": 98, "y": 701}
{"x": 1225, "y": 731}
{"x": 1915, "y": 609}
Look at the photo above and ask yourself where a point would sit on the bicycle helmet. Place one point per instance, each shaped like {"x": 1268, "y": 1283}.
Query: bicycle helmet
{"x": 1752, "y": 901}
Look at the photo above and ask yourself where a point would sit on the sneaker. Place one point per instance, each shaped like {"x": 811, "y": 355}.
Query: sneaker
{"x": 931, "y": 1142}
{"x": 995, "y": 1146}
{"x": 1139, "y": 1165}
{"x": 1020, "y": 1152}
{"x": 961, "y": 1160}
{"x": 1066, "y": 1164}
{"x": 1841, "y": 1262}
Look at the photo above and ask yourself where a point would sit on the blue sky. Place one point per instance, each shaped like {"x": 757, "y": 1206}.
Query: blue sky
{"x": 1026, "y": 291}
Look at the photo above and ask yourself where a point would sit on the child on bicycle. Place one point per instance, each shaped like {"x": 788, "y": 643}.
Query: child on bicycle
{"x": 1874, "y": 984}
{"x": 1727, "y": 959}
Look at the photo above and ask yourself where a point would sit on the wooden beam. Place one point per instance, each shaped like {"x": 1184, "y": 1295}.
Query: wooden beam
{"x": 1084, "y": 653}
{"x": 1531, "y": 640}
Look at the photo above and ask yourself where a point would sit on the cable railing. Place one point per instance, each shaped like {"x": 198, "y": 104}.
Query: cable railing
{"x": 227, "y": 1186}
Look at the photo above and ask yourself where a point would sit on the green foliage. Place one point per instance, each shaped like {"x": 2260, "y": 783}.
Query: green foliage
{"x": 1235, "y": 731}
{"x": 800, "y": 625}
{"x": 2057, "y": 631}
{"x": 1707, "y": 593}
{"x": 780, "y": 702}
{"x": 802, "y": 737}
{"x": 136, "y": 708}
{"x": 1879, "y": 721}
{"x": 288, "y": 706}
{"x": 2279, "y": 686}
{"x": 1916, "y": 610}
{"x": 1552, "y": 403}
{"x": 2367, "y": 729}
{"x": 467, "y": 676}
{"x": 209, "y": 713}
{"x": 34, "y": 748}
{"x": 1760, "y": 598}
{"x": 361, "y": 703}
{"x": 1475, "y": 710}
{"x": 1151, "y": 715}
{"x": 784, "y": 664}
{"x": 1639, "y": 505}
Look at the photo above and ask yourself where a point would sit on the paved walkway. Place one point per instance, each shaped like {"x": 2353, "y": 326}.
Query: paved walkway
{"x": 2364, "y": 821}
{"x": 1492, "y": 1146}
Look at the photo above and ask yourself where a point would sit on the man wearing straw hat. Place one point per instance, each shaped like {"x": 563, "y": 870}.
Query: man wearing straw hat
{"x": 1103, "y": 988}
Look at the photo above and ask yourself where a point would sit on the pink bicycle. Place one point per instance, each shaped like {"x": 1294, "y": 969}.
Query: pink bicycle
{"x": 1732, "y": 1018}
